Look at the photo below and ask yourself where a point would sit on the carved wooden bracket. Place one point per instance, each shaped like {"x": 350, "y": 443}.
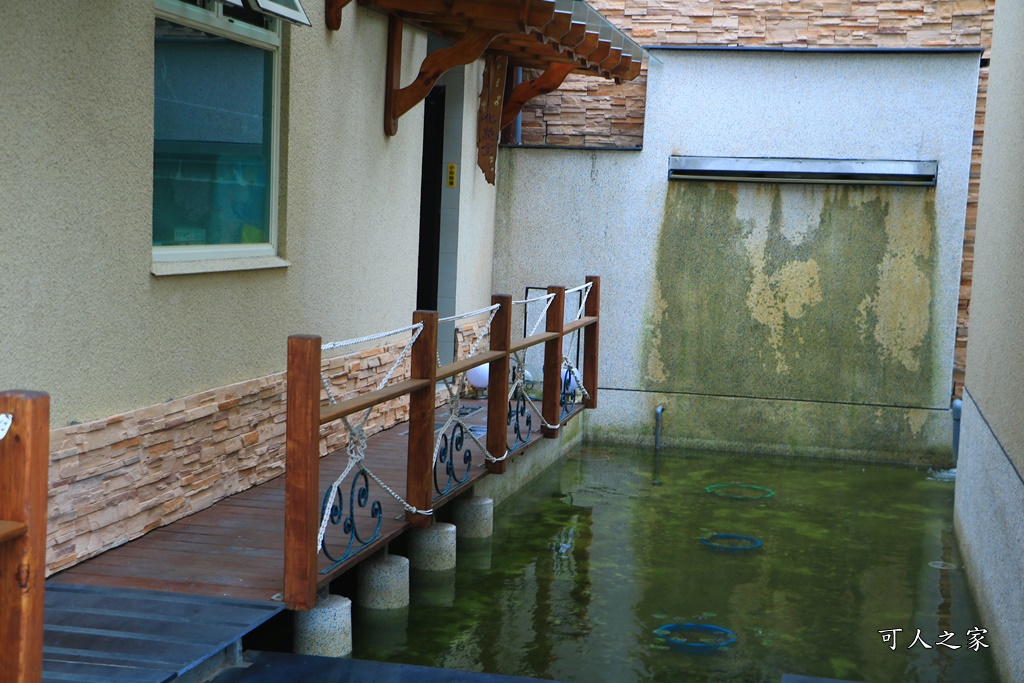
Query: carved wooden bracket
{"x": 489, "y": 114}
{"x": 332, "y": 13}
{"x": 527, "y": 90}
{"x": 398, "y": 100}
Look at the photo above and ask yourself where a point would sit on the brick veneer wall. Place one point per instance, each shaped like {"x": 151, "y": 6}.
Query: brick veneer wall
{"x": 114, "y": 479}
{"x": 593, "y": 112}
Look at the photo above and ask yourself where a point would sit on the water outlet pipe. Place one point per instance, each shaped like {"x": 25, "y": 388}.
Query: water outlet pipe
{"x": 958, "y": 407}
{"x": 657, "y": 443}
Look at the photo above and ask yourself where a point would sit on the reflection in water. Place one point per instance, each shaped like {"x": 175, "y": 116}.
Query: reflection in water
{"x": 589, "y": 561}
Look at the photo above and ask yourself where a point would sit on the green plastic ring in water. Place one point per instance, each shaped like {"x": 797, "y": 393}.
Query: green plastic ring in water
{"x": 763, "y": 492}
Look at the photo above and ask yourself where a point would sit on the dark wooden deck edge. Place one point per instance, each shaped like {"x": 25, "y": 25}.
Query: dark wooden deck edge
{"x": 234, "y": 548}
{"x": 477, "y": 473}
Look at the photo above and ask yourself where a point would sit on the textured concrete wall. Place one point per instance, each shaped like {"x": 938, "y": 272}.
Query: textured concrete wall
{"x": 990, "y": 486}
{"x": 593, "y": 112}
{"x": 742, "y": 290}
{"x": 83, "y": 318}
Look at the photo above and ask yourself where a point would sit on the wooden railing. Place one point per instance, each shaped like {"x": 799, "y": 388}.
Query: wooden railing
{"x": 24, "y": 471}
{"x": 305, "y": 417}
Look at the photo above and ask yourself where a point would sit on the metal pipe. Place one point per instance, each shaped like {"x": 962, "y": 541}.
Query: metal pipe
{"x": 657, "y": 443}
{"x": 958, "y": 407}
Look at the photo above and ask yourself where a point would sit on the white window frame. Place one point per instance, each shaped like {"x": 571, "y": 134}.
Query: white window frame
{"x": 173, "y": 260}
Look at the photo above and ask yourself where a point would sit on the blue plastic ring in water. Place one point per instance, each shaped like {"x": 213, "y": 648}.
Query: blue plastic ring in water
{"x": 693, "y": 647}
{"x": 712, "y": 542}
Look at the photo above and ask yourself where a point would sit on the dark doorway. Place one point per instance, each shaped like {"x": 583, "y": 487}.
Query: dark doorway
{"x": 431, "y": 180}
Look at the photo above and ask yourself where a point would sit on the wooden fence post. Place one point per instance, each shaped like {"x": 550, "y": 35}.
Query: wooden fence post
{"x": 420, "y": 465}
{"x": 497, "y": 383}
{"x": 302, "y": 472}
{"x": 591, "y": 342}
{"x": 24, "y": 479}
{"x": 555, "y": 322}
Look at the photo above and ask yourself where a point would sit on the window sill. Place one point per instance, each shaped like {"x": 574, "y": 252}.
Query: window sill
{"x": 220, "y": 265}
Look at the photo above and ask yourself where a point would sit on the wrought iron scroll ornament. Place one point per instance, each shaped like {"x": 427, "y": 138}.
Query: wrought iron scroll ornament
{"x": 359, "y": 491}
{"x": 567, "y": 398}
{"x": 517, "y": 411}
{"x": 5, "y": 424}
{"x": 359, "y": 495}
{"x": 452, "y": 435}
{"x": 452, "y": 444}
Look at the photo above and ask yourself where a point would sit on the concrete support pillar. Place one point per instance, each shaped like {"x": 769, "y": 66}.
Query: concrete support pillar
{"x": 474, "y": 517}
{"x": 382, "y": 582}
{"x": 432, "y": 548}
{"x": 325, "y": 630}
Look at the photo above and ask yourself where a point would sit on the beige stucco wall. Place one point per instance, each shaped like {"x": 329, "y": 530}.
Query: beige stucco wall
{"x": 84, "y": 318}
{"x": 477, "y": 199}
{"x": 995, "y": 369}
{"x": 989, "y": 508}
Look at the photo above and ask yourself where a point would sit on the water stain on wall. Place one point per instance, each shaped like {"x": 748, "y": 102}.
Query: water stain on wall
{"x": 815, "y": 292}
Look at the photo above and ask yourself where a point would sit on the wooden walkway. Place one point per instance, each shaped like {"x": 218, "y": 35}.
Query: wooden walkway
{"x": 100, "y": 635}
{"x": 235, "y": 548}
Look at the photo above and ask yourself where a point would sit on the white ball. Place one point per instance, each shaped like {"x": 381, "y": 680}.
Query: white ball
{"x": 477, "y": 376}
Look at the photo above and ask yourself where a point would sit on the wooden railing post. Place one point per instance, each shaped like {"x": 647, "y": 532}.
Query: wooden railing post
{"x": 591, "y": 342}
{"x": 419, "y": 479}
{"x": 555, "y": 322}
{"x": 497, "y": 383}
{"x": 302, "y": 472}
{"x": 24, "y": 473}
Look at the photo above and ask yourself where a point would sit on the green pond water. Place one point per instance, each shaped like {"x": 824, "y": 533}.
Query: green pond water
{"x": 591, "y": 559}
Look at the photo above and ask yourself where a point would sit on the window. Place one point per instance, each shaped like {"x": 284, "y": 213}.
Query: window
{"x": 215, "y": 130}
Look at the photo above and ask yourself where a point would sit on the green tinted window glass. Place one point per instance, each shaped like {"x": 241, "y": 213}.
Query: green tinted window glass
{"x": 212, "y": 139}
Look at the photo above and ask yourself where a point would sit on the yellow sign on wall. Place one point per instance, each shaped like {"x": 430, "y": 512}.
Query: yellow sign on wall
{"x": 452, "y": 174}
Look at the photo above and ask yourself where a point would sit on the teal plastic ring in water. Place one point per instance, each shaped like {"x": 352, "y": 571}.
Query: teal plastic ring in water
{"x": 716, "y": 489}
{"x": 722, "y": 637}
{"x": 748, "y": 542}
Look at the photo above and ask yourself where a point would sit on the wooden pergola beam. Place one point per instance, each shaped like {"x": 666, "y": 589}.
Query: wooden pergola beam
{"x": 398, "y": 100}
{"x": 549, "y": 81}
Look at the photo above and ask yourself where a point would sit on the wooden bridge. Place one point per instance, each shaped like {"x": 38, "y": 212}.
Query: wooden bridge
{"x": 234, "y": 550}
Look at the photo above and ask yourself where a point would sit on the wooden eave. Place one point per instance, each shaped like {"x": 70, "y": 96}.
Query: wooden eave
{"x": 531, "y": 33}
{"x": 556, "y": 37}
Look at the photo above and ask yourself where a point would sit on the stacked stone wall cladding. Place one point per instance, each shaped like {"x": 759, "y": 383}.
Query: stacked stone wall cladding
{"x": 596, "y": 113}
{"x": 114, "y": 479}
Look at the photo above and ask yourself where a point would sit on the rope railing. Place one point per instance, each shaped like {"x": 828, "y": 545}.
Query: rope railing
{"x": 308, "y": 518}
{"x": 448, "y": 444}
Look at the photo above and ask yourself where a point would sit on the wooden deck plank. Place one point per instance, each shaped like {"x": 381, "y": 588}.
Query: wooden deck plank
{"x": 120, "y": 634}
{"x": 235, "y": 548}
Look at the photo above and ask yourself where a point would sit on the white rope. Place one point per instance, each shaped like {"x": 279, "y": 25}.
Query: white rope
{"x": 520, "y": 382}
{"x": 370, "y": 337}
{"x": 453, "y": 403}
{"x": 533, "y": 300}
{"x": 471, "y": 314}
{"x": 356, "y": 446}
{"x": 417, "y": 329}
{"x": 566, "y": 363}
{"x": 547, "y": 299}
{"x": 583, "y": 299}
